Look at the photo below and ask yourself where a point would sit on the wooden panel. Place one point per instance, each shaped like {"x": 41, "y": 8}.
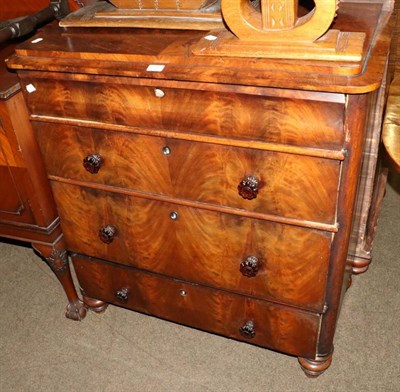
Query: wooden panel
{"x": 6, "y": 152}
{"x": 14, "y": 179}
{"x": 196, "y": 171}
{"x": 391, "y": 130}
{"x": 10, "y": 154}
{"x": 10, "y": 202}
{"x": 283, "y": 329}
{"x": 121, "y": 52}
{"x": 22, "y": 155}
{"x": 15, "y": 188}
{"x": 103, "y": 14}
{"x": 252, "y": 116}
{"x": 200, "y": 246}
{"x": 160, "y": 4}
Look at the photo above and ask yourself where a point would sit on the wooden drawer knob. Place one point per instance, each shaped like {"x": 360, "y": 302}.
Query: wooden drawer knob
{"x": 107, "y": 233}
{"x": 247, "y": 330}
{"x": 249, "y": 267}
{"x": 92, "y": 163}
{"x": 248, "y": 188}
{"x": 122, "y": 294}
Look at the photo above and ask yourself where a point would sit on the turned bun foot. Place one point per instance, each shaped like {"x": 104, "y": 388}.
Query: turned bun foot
{"x": 360, "y": 266}
{"x": 94, "y": 305}
{"x": 75, "y": 310}
{"x": 314, "y": 367}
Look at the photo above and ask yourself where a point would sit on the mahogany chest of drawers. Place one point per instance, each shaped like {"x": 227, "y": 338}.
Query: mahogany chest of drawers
{"x": 216, "y": 193}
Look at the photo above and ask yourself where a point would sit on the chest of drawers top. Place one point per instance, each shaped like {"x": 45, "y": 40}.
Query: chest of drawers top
{"x": 135, "y": 52}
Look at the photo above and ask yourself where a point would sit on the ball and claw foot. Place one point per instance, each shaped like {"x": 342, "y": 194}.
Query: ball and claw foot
{"x": 315, "y": 367}
{"x": 76, "y": 311}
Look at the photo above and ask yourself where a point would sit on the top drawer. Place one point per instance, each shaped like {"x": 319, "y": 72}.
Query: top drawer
{"x": 277, "y": 116}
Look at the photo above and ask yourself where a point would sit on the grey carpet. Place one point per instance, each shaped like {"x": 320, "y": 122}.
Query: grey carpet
{"x": 40, "y": 350}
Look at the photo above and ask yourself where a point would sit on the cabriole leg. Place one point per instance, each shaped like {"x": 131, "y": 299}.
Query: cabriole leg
{"x": 57, "y": 258}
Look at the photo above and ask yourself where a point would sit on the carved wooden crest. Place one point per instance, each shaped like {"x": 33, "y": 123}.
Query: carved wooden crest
{"x": 277, "y": 20}
{"x": 274, "y": 29}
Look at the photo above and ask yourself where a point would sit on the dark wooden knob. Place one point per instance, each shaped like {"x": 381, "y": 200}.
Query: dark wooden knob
{"x": 248, "y": 188}
{"x": 107, "y": 233}
{"x": 249, "y": 267}
{"x": 92, "y": 163}
{"x": 122, "y": 294}
{"x": 247, "y": 330}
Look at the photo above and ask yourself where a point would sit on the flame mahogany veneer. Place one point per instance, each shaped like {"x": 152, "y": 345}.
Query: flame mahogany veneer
{"x": 218, "y": 192}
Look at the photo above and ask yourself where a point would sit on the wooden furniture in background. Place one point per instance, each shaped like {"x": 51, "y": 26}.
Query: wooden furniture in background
{"x": 27, "y": 209}
{"x": 168, "y": 14}
{"x": 214, "y": 192}
{"x": 16, "y": 9}
{"x": 21, "y": 18}
{"x": 240, "y": 28}
{"x": 274, "y": 29}
{"x": 373, "y": 178}
{"x": 391, "y": 126}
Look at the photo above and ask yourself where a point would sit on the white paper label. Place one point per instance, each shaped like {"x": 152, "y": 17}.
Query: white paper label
{"x": 30, "y": 88}
{"x": 155, "y": 68}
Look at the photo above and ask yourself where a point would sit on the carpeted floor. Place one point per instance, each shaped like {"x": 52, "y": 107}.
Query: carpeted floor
{"x": 40, "y": 350}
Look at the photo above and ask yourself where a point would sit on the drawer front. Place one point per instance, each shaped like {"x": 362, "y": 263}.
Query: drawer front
{"x": 276, "y": 327}
{"x": 252, "y": 116}
{"x": 199, "y": 246}
{"x": 289, "y": 185}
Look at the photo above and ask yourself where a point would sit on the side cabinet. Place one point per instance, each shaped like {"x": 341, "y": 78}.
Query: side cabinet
{"x": 27, "y": 209}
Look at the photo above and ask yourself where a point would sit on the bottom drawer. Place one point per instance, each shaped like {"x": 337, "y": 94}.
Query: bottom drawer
{"x": 255, "y": 321}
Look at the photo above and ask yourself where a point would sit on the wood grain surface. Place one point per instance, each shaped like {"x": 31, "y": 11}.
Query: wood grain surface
{"x": 11, "y": 203}
{"x": 200, "y": 246}
{"x": 391, "y": 129}
{"x": 255, "y": 114}
{"x": 160, "y": 5}
{"x": 279, "y": 328}
{"x": 129, "y": 52}
{"x": 160, "y": 14}
{"x": 25, "y": 195}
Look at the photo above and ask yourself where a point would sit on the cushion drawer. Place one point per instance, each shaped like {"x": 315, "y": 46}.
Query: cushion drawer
{"x": 304, "y": 119}
{"x": 276, "y": 327}
{"x": 200, "y": 246}
{"x": 293, "y": 186}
